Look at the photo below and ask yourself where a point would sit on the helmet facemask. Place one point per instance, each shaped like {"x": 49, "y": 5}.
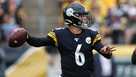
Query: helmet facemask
{"x": 85, "y": 20}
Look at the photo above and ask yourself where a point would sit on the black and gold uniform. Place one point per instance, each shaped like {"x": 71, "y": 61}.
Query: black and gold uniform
{"x": 75, "y": 50}
{"x": 133, "y": 57}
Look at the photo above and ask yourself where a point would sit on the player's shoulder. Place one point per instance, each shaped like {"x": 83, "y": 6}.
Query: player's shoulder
{"x": 59, "y": 30}
{"x": 95, "y": 35}
{"x": 91, "y": 32}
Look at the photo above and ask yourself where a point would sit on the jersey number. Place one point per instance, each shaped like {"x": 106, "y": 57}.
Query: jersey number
{"x": 79, "y": 56}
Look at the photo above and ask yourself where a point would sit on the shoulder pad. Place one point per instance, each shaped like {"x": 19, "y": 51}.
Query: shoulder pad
{"x": 59, "y": 28}
{"x": 97, "y": 37}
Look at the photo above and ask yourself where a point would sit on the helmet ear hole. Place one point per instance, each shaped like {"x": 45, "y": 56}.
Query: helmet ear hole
{"x": 77, "y": 15}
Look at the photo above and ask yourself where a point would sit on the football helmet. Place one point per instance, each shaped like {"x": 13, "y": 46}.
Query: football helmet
{"x": 76, "y": 15}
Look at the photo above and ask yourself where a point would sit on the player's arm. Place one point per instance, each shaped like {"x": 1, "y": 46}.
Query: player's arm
{"x": 106, "y": 51}
{"x": 133, "y": 58}
{"x": 49, "y": 40}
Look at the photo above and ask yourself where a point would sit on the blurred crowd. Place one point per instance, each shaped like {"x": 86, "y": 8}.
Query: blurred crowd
{"x": 11, "y": 17}
{"x": 120, "y": 20}
{"x": 117, "y": 23}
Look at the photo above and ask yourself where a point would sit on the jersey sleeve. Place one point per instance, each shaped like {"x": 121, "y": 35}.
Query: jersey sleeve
{"x": 49, "y": 40}
{"x": 53, "y": 36}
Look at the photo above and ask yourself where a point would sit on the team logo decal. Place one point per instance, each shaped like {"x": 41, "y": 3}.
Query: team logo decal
{"x": 88, "y": 40}
{"x": 69, "y": 12}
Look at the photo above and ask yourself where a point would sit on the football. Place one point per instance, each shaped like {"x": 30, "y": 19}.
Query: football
{"x": 17, "y": 37}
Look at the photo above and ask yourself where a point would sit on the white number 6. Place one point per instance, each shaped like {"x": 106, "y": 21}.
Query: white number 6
{"x": 79, "y": 56}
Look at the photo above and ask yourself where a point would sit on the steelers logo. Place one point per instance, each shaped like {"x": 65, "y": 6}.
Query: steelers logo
{"x": 69, "y": 12}
{"x": 88, "y": 40}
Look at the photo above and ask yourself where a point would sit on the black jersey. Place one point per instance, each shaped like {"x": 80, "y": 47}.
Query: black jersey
{"x": 75, "y": 50}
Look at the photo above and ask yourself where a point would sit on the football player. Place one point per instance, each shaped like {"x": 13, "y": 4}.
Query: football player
{"x": 133, "y": 58}
{"x": 75, "y": 43}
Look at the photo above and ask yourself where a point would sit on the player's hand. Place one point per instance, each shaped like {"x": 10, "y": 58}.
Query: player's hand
{"x": 107, "y": 50}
